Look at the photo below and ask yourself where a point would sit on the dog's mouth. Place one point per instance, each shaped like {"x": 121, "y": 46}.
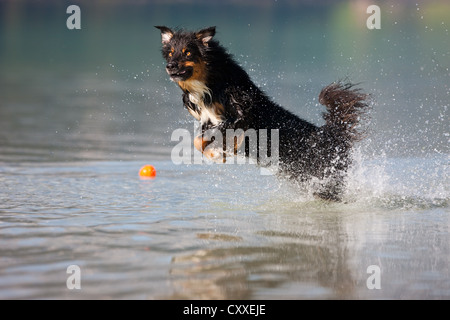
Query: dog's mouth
{"x": 180, "y": 75}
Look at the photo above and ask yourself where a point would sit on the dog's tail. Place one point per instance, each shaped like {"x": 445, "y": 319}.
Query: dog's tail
{"x": 346, "y": 106}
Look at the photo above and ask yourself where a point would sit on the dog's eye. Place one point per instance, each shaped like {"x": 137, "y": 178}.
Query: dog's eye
{"x": 188, "y": 53}
{"x": 170, "y": 54}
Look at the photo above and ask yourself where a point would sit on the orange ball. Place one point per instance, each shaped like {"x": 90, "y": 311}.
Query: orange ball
{"x": 147, "y": 171}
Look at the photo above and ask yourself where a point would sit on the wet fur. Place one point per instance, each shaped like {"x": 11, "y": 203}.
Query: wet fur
{"x": 219, "y": 93}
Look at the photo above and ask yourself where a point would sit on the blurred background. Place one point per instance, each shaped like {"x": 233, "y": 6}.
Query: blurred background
{"x": 102, "y": 92}
{"x": 82, "y": 110}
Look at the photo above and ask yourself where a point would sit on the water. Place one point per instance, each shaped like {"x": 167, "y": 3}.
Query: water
{"x": 82, "y": 111}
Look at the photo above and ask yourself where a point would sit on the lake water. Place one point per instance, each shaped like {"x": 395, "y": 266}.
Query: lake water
{"x": 82, "y": 110}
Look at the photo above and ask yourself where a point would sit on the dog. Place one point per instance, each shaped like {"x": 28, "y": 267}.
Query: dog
{"x": 219, "y": 93}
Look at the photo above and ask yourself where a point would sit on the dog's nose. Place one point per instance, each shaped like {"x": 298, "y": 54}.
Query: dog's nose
{"x": 171, "y": 66}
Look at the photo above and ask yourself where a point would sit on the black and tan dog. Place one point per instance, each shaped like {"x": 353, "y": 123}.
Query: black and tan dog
{"x": 221, "y": 95}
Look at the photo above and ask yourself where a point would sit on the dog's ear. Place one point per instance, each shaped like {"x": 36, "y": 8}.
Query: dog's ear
{"x": 205, "y": 35}
{"x": 166, "y": 34}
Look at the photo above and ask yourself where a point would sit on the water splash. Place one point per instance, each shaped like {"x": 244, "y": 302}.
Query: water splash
{"x": 399, "y": 183}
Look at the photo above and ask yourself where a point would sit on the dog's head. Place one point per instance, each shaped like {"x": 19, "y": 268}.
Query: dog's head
{"x": 185, "y": 52}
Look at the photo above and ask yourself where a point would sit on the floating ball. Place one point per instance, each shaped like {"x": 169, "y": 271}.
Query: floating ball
{"x": 147, "y": 171}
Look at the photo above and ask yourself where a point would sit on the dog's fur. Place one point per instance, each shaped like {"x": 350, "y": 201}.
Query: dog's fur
{"x": 221, "y": 95}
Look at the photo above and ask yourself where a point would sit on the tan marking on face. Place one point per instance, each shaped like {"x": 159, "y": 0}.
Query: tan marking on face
{"x": 199, "y": 72}
{"x": 196, "y": 86}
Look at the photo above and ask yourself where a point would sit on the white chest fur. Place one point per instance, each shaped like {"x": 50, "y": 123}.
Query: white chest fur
{"x": 206, "y": 113}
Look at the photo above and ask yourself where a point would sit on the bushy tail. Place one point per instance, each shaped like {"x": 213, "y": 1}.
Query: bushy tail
{"x": 346, "y": 106}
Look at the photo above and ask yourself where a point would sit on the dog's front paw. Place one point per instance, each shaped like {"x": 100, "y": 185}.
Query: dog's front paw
{"x": 211, "y": 150}
{"x": 210, "y": 143}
